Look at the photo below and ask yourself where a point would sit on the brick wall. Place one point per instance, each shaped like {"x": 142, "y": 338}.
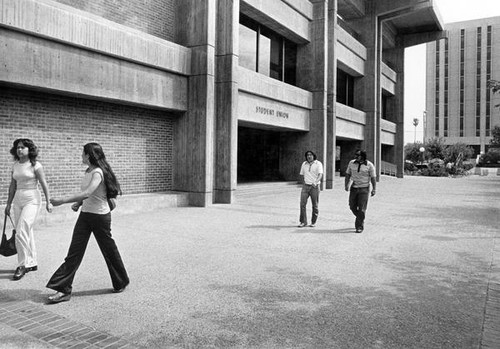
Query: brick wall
{"x": 155, "y": 17}
{"x": 138, "y": 142}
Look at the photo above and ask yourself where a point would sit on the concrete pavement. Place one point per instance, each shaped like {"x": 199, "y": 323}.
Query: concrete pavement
{"x": 425, "y": 273}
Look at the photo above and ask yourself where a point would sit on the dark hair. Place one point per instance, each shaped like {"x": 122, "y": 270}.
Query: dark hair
{"x": 362, "y": 153}
{"x": 313, "y": 154}
{"x": 32, "y": 149}
{"x": 98, "y": 159}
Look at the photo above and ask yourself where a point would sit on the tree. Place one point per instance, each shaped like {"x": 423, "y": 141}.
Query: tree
{"x": 495, "y": 136}
{"x": 434, "y": 148}
{"x": 494, "y": 85}
{"x": 453, "y": 151}
{"x": 415, "y": 123}
{"x": 412, "y": 152}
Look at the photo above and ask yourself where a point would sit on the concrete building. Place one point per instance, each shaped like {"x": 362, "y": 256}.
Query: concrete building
{"x": 198, "y": 96}
{"x": 460, "y": 107}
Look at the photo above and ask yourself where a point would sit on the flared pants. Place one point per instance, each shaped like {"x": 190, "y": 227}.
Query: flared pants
{"x": 26, "y": 206}
{"x": 100, "y": 225}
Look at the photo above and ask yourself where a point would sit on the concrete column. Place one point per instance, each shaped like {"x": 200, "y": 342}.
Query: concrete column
{"x": 226, "y": 101}
{"x": 396, "y": 56}
{"x": 372, "y": 39}
{"x": 312, "y": 75}
{"x": 194, "y": 130}
{"x": 331, "y": 95}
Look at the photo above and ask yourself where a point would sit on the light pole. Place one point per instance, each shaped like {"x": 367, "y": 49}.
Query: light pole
{"x": 422, "y": 150}
{"x": 415, "y": 123}
{"x": 424, "y": 123}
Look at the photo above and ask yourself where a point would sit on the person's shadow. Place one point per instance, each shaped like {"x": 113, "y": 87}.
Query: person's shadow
{"x": 315, "y": 230}
{"x": 6, "y": 273}
{"x": 309, "y": 230}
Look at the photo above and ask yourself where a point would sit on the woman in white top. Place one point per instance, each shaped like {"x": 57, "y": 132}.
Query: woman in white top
{"x": 98, "y": 185}
{"x": 26, "y": 200}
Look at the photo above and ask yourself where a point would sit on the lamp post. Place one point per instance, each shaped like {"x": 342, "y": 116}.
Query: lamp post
{"x": 422, "y": 150}
{"x": 415, "y": 123}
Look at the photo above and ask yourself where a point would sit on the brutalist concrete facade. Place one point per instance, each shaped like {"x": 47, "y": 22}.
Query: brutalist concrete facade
{"x": 323, "y": 75}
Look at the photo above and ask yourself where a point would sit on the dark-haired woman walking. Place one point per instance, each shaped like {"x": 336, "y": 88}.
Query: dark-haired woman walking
{"x": 99, "y": 184}
{"x": 25, "y": 199}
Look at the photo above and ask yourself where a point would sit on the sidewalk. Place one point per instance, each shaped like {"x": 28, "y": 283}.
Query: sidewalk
{"x": 425, "y": 273}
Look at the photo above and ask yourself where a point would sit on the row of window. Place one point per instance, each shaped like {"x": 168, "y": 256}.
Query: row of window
{"x": 478, "y": 87}
{"x": 268, "y": 53}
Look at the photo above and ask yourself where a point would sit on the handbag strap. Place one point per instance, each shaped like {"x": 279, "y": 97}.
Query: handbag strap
{"x": 13, "y": 225}
{"x": 4, "y": 224}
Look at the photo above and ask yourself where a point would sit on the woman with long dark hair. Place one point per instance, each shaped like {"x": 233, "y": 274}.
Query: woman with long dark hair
{"x": 25, "y": 198}
{"x": 98, "y": 185}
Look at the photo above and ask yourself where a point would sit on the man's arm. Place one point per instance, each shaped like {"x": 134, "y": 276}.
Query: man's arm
{"x": 347, "y": 180}
{"x": 318, "y": 179}
{"x": 374, "y": 184}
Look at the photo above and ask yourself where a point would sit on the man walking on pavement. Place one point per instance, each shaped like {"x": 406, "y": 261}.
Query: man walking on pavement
{"x": 312, "y": 172}
{"x": 362, "y": 173}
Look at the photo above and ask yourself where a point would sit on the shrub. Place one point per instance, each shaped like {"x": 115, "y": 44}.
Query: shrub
{"x": 452, "y": 152}
{"x": 436, "y": 168}
{"x": 434, "y": 148}
{"x": 412, "y": 152}
{"x": 491, "y": 158}
{"x": 410, "y": 166}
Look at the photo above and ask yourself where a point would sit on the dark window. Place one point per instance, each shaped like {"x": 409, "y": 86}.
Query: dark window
{"x": 345, "y": 88}
{"x": 248, "y": 44}
{"x": 266, "y": 52}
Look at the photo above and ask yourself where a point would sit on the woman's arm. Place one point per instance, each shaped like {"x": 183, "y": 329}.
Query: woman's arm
{"x": 94, "y": 183}
{"x": 12, "y": 192}
{"x": 40, "y": 175}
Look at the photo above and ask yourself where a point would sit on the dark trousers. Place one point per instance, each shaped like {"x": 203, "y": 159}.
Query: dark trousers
{"x": 358, "y": 202}
{"x": 313, "y": 192}
{"x": 87, "y": 224}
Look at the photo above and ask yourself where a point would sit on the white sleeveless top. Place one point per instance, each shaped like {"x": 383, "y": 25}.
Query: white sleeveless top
{"x": 24, "y": 174}
{"x": 97, "y": 202}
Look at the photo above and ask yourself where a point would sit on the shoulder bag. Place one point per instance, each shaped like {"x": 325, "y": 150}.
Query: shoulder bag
{"x": 8, "y": 246}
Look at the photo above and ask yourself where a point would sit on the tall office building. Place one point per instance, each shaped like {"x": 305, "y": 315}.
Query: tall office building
{"x": 460, "y": 107}
{"x": 199, "y": 96}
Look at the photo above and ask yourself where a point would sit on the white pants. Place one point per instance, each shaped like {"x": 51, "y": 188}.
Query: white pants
{"x": 26, "y": 206}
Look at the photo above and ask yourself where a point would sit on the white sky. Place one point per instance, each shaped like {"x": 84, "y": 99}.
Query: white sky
{"x": 451, "y": 11}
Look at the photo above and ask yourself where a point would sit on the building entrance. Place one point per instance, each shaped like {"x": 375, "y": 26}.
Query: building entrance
{"x": 258, "y": 155}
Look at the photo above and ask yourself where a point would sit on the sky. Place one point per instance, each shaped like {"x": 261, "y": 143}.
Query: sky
{"x": 451, "y": 11}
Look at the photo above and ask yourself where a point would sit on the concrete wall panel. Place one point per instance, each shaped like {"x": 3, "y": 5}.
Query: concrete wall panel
{"x": 351, "y": 130}
{"x": 263, "y": 111}
{"x": 77, "y": 28}
{"x": 264, "y": 86}
{"x": 42, "y": 64}
{"x": 347, "y": 113}
{"x": 284, "y": 17}
{"x": 387, "y": 138}
{"x": 350, "y": 52}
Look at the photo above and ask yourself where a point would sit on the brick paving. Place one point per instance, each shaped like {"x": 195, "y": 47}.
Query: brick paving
{"x": 56, "y": 330}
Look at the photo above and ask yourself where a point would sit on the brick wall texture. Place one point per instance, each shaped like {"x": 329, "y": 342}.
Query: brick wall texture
{"x": 155, "y": 17}
{"x": 138, "y": 142}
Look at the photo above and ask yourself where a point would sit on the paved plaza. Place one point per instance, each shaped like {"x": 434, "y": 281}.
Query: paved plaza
{"x": 425, "y": 273}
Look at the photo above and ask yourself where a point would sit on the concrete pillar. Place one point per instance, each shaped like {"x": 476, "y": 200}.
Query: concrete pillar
{"x": 226, "y": 101}
{"x": 331, "y": 95}
{"x": 396, "y": 56}
{"x": 194, "y": 130}
{"x": 312, "y": 75}
{"x": 372, "y": 39}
